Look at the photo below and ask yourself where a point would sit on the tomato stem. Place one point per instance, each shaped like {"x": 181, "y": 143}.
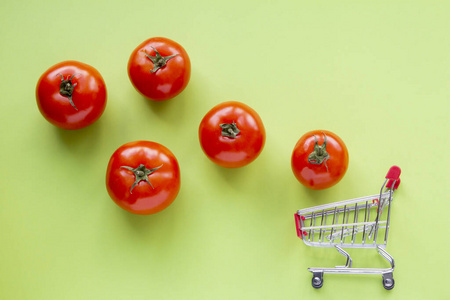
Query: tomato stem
{"x": 158, "y": 60}
{"x": 66, "y": 88}
{"x": 229, "y": 130}
{"x": 319, "y": 153}
{"x": 140, "y": 174}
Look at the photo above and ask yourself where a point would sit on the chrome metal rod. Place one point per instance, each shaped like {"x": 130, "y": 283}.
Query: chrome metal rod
{"x": 340, "y": 203}
{"x": 344, "y": 245}
{"x": 321, "y": 224}
{"x": 378, "y": 214}
{"x": 349, "y": 262}
{"x": 341, "y": 225}
{"x": 386, "y": 256}
{"x": 331, "y": 211}
{"x": 334, "y": 218}
{"x": 324, "y": 230}
{"x": 365, "y": 220}
{"x": 387, "y": 222}
{"x": 351, "y": 271}
{"x": 314, "y": 225}
{"x": 343, "y": 222}
{"x": 367, "y": 271}
{"x": 355, "y": 219}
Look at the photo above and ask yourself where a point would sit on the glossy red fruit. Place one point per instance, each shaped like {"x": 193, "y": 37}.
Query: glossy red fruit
{"x": 319, "y": 159}
{"x": 71, "y": 95}
{"x": 159, "y": 68}
{"x": 143, "y": 177}
{"x": 232, "y": 134}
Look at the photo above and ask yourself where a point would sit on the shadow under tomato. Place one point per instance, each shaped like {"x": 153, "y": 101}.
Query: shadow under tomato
{"x": 148, "y": 224}
{"x": 251, "y": 180}
{"x": 318, "y": 196}
{"x": 150, "y": 236}
{"x": 173, "y": 110}
{"x": 236, "y": 178}
{"x": 81, "y": 140}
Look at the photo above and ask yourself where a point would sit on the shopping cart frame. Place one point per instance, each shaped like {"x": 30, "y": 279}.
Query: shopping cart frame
{"x": 341, "y": 230}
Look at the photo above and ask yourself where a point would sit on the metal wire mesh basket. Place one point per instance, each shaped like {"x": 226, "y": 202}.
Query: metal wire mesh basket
{"x": 357, "y": 223}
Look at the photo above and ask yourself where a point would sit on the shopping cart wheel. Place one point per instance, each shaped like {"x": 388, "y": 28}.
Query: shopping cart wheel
{"x": 317, "y": 280}
{"x": 388, "y": 281}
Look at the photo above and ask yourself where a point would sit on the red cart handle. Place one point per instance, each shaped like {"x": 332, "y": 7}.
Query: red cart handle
{"x": 394, "y": 173}
{"x": 390, "y": 182}
{"x": 298, "y": 225}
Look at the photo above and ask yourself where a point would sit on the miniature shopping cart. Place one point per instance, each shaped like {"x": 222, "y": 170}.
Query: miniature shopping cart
{"x": 357, "y": 223}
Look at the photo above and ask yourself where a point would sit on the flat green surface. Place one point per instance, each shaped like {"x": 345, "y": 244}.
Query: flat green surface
{"x": 374, "y": 72}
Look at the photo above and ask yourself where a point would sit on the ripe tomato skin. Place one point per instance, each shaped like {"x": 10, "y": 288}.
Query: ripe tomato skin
{"x": 89, "y": 95}
{"x": 168, "y": 81}
{"x": 143, "y": 199}
{"x": 232, "y": 152}
{"x": 316, "y": 176}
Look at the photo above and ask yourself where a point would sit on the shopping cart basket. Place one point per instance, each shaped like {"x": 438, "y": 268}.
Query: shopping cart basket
{"x": 357, "y": 223}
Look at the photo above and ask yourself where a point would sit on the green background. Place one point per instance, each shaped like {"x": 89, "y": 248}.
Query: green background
{"x": 374, "y": 72}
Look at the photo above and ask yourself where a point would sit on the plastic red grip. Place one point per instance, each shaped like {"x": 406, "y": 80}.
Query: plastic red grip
{"x": 394, "y": 173}
{"x": 390, "y": 181}
{"x": 298, "y": 225}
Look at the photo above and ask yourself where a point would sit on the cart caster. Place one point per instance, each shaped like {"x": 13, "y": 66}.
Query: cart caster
{"x": 388, "y": 281}
{"x": 317, "y": 280}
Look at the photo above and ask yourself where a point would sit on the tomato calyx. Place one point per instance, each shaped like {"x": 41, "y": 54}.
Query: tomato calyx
{"x": 229, "y": 130}
{"x": 319, "y": 153}
{"x": 158, "y": 60}
{"x": 140, "y": 174}
{"x": 66, "y": 88}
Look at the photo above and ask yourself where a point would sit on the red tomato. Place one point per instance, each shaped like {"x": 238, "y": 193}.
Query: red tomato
{"x": 71, "y": 95}
{"x": 159, "y": 68}
{"x": 319, "y": 159}
{"x": 232, "y": 134}
{"x": 143, "y": 177}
